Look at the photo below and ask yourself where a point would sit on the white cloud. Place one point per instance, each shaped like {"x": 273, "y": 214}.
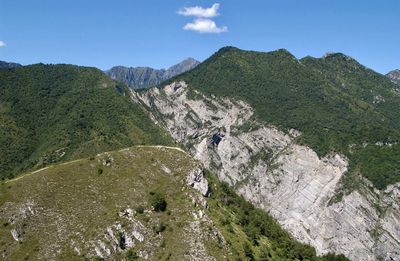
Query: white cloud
{"x": 2, "y": 44}
{"x": 205, "y": 26}
{"x": 202, "y": 23}
{"x": 199, "y": 11}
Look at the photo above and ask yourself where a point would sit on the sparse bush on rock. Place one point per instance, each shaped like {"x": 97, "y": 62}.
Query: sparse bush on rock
{"x": 139, "y": 209}
{"x": 131, "y": 255}
{"x": 160, "y": 227}
{"x": 157, "y": 201}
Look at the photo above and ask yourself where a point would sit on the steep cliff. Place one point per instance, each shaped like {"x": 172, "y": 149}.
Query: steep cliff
{"x": 272, "y": 170}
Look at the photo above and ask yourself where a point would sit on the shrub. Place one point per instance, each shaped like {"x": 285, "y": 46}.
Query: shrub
{"x": 334, "y": 257}
{"x": 140, "y": 209}
{"x": 157, "y": 201}
{"x": 264, "y": 254}
{"x": 160, "y": 227}
{"x": 163, "y": 243}
{"x": 248, "y": 252}
{"x": 131, "y": 255}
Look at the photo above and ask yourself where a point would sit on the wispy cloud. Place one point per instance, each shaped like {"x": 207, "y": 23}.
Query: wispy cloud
{"x": 199, "y": 11}
{"x": 202, "y": 25}
{"x": 203, "y": 22}
{"x": 2, "y": 44}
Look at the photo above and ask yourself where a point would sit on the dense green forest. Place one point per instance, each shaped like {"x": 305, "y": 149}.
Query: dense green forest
{"x": 337, "y": 104}
{"x": 51, "y": 113}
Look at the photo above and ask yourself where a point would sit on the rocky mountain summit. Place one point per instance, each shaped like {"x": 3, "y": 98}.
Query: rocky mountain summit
{"x": 394, "y": 76}
{"x": 142, "y": 77}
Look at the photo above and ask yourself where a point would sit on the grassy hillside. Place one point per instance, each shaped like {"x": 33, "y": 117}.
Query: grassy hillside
{"x": 338, "y": 104}
{"x": 51, "y": 113}
{"x": 66, "y": 211}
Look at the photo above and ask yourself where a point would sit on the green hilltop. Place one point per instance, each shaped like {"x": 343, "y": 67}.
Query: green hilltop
{"x": 52, "y": 113}
{"x": 338, "y": 104}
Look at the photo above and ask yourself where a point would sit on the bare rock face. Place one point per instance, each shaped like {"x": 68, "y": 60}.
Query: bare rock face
{"x": 394, "y": 76}
{"x": 270, "y": 170}
{"x": 197, "y": 181}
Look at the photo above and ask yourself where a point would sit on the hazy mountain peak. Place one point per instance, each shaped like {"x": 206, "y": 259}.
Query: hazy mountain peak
{"x": 185, "y": 65}
{"x": 189, "y": 60}
{"x": 142, "y": 77}
{"x": 7, "y": 65}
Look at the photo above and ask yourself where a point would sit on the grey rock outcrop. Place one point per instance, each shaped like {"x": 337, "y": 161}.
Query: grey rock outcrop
{"x": 196, "y": 180}
{"x": 288, "y": 180}
{"x": 394, "y": 76}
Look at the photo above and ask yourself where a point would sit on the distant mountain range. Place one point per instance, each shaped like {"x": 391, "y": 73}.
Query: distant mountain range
{"x": 5, "y": 65}
{"x": 142, "y": 77}
{"x": 394, "y": 76}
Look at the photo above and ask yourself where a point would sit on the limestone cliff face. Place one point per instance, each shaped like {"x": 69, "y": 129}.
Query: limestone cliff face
{"x": 267, "y": 167}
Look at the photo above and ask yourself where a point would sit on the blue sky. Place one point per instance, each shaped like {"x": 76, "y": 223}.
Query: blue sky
{"x": 151, "y": 32}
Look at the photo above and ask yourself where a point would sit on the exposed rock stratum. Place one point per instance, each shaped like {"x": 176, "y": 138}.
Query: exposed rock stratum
{"x": 288, "y": 180}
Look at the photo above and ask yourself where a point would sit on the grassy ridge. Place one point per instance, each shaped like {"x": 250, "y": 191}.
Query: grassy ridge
{"x": 83, "y": 198}
{"x": 74, "y": 204}
{"x": 334, "y": 101}
{"x": 59, "y": 112}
